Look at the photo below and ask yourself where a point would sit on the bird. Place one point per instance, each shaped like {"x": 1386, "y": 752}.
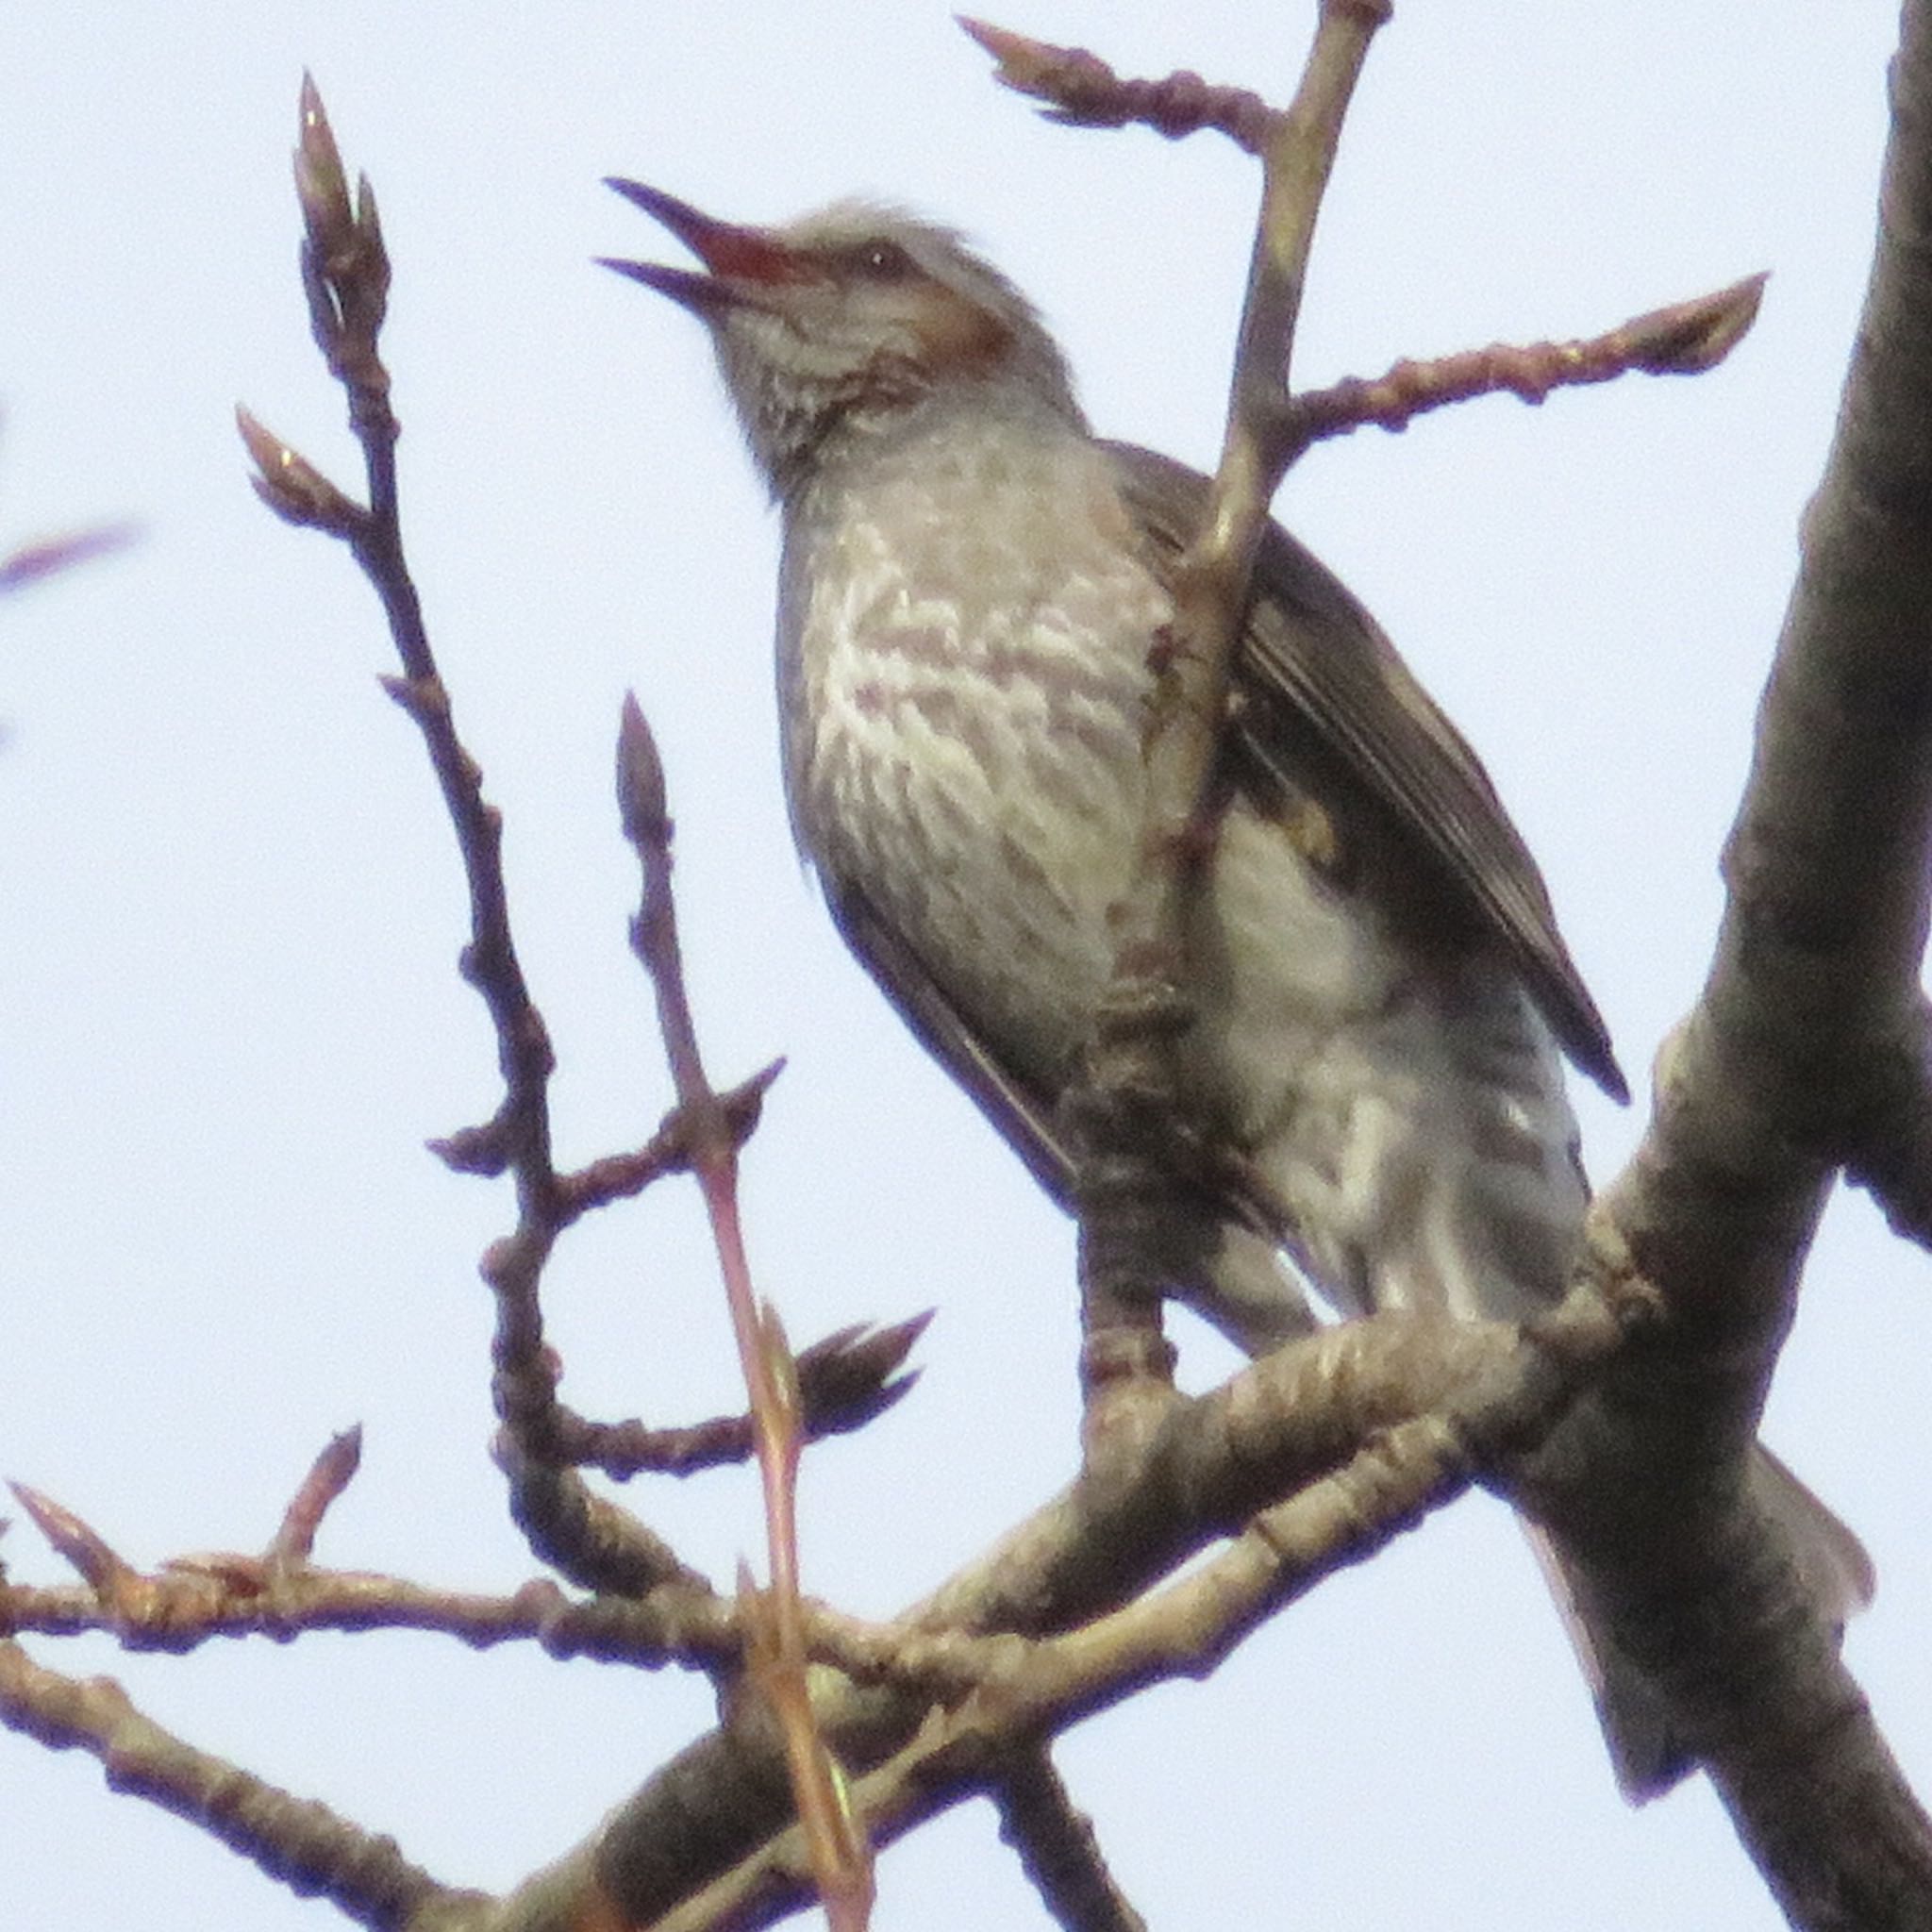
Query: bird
{"x": 971, "y": 589}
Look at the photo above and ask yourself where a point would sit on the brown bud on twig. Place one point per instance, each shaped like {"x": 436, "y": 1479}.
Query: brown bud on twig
{"x": 849, "y": 1378}
{"x": 1693, "y": 336}
{"x": 293, "y": 488}
{"x": 328, "y": 1476}
{"x": 1083, "y": 91}
{"x": 109, "y": 1575}
{"x": 346, "y": 265}
{"x": 1686, "y": 339}
{"x": 320, "y": 185}
{"x": 641, "y": 793}
{"x": 484, "y": 1150}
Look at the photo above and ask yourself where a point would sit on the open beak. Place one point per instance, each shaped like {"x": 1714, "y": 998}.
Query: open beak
{"x": 742, "y": 264}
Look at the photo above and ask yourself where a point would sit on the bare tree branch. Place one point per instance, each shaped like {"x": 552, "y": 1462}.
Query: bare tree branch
{"x": 1892, "y": 1154}
{"x": 1687, "y": 338}
{"x": 1811, "y": 1010}
{"x": 1361, "y": 1427}
{"x": 1082, "y": 91}
{"x": 775, "y": 1664}
{"x": 294, "y": 1840}
{"x": 1622, "y": 1420}
{"x": 346, "y": 273}
{"x": 846, "y": 1381}
{"x": 1058, "y": 1849}
{"x": 1128, "y": 1098}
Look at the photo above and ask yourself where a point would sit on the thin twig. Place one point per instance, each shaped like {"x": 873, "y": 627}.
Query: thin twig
{"x": 1363, "y": 1426}
{"x": 1183, "y": 1630}
{"x": 1082, "y": 91}
{"x": 846, "y": 1381}
{"x": 116, "y": 1584}
{"x": 328, "y": 1476}
{"x": 618, "y": 1176}
{"x": 841, "y": 1859}
{"x": 1212, "y": 580}
{"x": 296, "y": 1841}
{"x": 201, "y": 1599}
{"x": 1128, "y": 1100}
{"x": 1058, "y": 1847}
{"x": 1686, "y": 339}
{"x": 198, "y": 1600}
{"x": 345, "y": 271}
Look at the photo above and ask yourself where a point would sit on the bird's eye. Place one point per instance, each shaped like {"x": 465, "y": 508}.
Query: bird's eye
{"x": 881, "y": 262}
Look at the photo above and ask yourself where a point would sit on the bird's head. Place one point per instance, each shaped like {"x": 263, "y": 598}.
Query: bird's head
{"x": 831, "y": 327}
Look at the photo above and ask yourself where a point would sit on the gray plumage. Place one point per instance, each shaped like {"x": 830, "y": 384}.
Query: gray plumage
{"x": 971, "y": 587}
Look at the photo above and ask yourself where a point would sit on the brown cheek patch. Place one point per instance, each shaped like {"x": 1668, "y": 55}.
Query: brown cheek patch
{"x": 958, "y": 335}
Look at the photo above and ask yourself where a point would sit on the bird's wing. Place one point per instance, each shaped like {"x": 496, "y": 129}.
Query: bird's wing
{"x": 1023, "y": 1115}
{"x": 1312, "y": 656}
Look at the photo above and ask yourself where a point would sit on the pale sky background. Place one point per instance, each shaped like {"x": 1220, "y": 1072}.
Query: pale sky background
{"x": 229, "y": 907}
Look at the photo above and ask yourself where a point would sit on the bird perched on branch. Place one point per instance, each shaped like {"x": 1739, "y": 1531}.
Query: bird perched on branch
{"x": 971, "y": 586}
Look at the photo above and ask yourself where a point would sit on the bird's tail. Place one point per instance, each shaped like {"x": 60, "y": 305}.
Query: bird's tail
{"x": 1647, "y": 1751}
